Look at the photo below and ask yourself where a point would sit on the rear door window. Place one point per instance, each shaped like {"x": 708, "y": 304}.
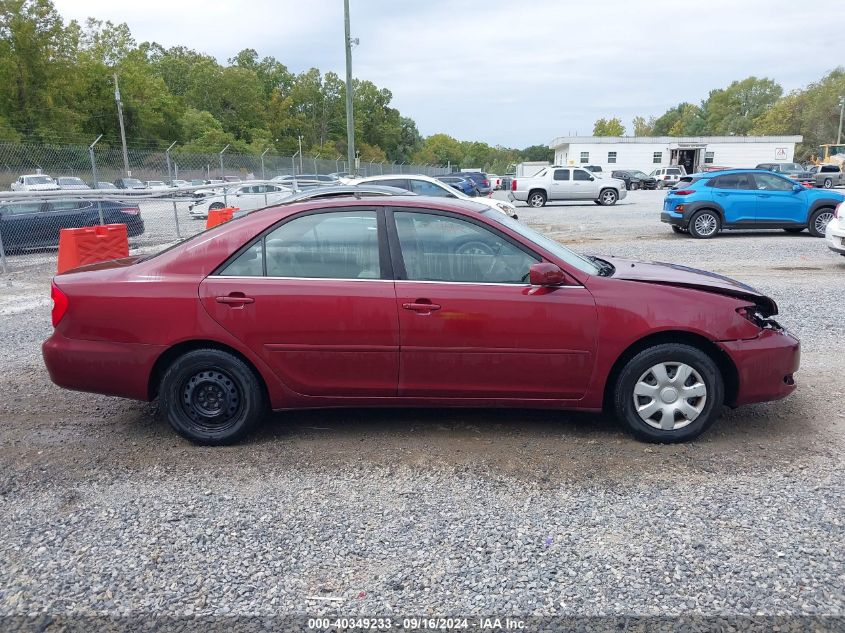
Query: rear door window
{"x": 734, "y": 181}
{"x": 561, "y": 174}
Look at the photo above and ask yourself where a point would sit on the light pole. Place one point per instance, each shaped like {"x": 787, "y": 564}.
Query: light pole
{"x": 122, "y": 131}
{"x": 841, "y": 110}
{"x": 223, "y": 174}
{"x": 350, "y": 119}
{"x": 263, "y": 176}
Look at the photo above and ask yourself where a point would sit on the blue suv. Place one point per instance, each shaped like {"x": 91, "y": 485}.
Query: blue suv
{"x": 704, "y": 204}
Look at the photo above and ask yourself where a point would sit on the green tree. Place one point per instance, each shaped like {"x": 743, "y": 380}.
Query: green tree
{"x": 734, "y": 109}
{"x": 609, "y": 127}
{"x": 537, "y": 152}
{"x": 643, "y": 127}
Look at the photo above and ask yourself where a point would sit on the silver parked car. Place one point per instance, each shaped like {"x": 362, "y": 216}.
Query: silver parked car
{"x": 828, "y": 176}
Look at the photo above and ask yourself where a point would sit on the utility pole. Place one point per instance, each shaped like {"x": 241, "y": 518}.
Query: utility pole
{"x": 841, "y": 110}
{"x": 350, "y": 119}
{"x": 122, "y": 130}
{"x": 300, "y": 154}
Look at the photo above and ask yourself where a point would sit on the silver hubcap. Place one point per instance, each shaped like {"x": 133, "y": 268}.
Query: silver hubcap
{"x": 823, "y": 220}
{"x": 828, "y": 183}
{"x": 608, "y": 197}
{"x": 536, "y": 201}
{"x": 705, "y": 224}
{"x": 669, "y": 396}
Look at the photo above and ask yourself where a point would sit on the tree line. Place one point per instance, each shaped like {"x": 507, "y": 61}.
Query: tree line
{"x": 58, "y": 88}
{"x": 751, "y": 106}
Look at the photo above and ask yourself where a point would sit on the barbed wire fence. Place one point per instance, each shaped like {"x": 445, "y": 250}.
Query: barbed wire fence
{"x": 30, "y": 222}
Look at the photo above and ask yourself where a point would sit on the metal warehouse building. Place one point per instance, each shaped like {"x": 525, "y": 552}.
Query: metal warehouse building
{"x": 647, "y": 153}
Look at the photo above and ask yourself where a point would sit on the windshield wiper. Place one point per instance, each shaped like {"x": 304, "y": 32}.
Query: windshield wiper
{"x": 606, "y": 269}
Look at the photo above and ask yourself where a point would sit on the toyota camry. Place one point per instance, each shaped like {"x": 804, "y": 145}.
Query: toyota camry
{"x": 416, "y": 302}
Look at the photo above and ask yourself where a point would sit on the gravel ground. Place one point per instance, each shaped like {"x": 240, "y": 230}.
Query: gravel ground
{"x": 105, "y": 512}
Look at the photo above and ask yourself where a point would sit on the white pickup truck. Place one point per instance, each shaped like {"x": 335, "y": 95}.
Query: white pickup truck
{"x": 567, "y": 183}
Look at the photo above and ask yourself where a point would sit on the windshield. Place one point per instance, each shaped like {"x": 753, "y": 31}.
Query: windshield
{"x": 570, "y": 257}
{"x": 39, "y": 180}
{"x": 131, "y": 182}
{"x": 638, "y": 174}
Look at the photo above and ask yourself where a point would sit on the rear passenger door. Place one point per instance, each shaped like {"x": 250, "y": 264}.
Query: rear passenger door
{"x": 561, "y": 185}
{"x": 313, "y": 298}
{"x": 736, "y": 194}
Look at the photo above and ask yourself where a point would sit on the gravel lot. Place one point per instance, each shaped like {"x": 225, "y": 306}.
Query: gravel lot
{"x": 106, "y": 512}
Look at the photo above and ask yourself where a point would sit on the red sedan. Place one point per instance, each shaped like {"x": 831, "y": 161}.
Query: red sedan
{"x": 411, "y": 301}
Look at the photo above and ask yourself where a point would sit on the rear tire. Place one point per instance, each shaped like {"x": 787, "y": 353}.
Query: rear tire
{"x": 704, "y": 224}
{"x": 819, "y": 221}
{"x": 669, "y": 393}
{"x": 828, "y": 183}
{"x": 536, "y": 199}
{"x": 211, "y": 397}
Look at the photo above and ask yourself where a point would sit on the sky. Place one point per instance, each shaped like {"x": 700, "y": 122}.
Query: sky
{"x": 513, "y": 73}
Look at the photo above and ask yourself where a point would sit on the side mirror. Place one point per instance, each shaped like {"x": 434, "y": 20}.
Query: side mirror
{"x": 546, "y": 274}
{"x": 796, "y": 188}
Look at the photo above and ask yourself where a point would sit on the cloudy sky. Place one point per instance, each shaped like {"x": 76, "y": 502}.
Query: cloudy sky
{"x": 515, "y": 73}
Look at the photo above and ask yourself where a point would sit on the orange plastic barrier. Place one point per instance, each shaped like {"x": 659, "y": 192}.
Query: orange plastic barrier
{"x": 219, "y": 216}
{"x": 78, "y": 247}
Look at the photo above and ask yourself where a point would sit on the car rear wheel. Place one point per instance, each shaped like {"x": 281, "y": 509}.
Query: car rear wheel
{"x": 828, "y": 183}
{"x": 608, "y": 197}
{"x": 669, "y": 393}
{"x": 660, "y": 184}
{"x": 819, "y": 221}
{"x": 704, "y": 224}
{"x": 211, "y": 397}
{"x": 537, "y": 199}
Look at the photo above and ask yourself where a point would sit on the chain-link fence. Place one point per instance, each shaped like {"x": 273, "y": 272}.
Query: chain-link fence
{"x": 161, "y": 198}
{"x": 156, "y": 165}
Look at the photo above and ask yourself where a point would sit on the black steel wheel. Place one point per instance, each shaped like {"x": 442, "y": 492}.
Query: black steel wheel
{"x": 211, "y": 397}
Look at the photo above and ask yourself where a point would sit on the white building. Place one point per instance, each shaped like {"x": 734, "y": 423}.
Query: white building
{"x": 647, "y": 153}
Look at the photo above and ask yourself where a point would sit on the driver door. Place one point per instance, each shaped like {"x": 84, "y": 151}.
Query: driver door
{"x": 470, "y": 324}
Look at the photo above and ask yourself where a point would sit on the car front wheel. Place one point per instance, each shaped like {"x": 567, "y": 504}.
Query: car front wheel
{"x": 669, "y": 393}
{"x": 211, "y": 397}
{"x": 608, "y": 197}
{"x": 828, "y": 183}
{"x": 704, "y": 224}
{"x": 819, "y": 221}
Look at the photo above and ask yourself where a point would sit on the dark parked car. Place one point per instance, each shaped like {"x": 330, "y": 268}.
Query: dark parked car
{"x": 482, "y": 183}
{"x": 464, "y": 185}
{"x": 411, "y": 301}
{"x": 635, "y": 179}
{"x": 129, "y": 183}
{"x": 37, "y": 224}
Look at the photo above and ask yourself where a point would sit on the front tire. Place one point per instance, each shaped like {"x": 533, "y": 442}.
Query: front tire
{"x": 211, "y": 397}
{"x": 704, "y": 224}
{"x": 819, "y": 221}
{"x": 608, "y": 197}
{"x": 828, "y": 183}
{"x": 669, "y": 393}
{"x": 537, "y": 199}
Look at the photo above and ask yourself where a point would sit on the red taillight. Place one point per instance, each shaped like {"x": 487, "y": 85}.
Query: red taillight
{"x": 485, "y": 183}
{"x": 130, "y": 210}
{"x": 683, "y": 192}
{"x": 513, "y": 185}
{"x": 60, "y": 303}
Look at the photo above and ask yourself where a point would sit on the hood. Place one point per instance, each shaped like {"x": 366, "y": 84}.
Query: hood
{"x": 684, "y": 277}
{"x": 45, "y": 187}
